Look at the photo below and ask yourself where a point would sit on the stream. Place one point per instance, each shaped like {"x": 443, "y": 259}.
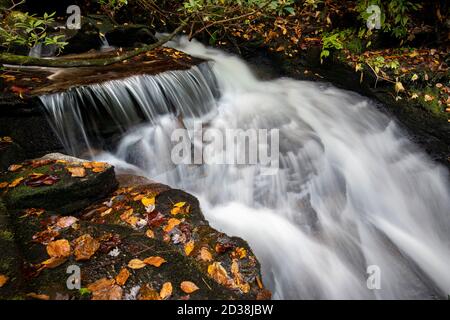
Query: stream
{"x": 352, "y": 192}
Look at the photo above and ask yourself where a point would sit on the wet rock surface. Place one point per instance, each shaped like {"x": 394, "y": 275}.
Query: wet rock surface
{"x": 142, "y": 241}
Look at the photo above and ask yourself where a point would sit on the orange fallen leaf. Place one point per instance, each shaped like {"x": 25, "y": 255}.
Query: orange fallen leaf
{"x": 3, "y": 280}
{"x": 176, "y": 210}
{"x": 14, "y": 167}
{"x": 58, "y": 248}
{"x": 154, "y": 261}
{"x": 188, "y": 247}
{"x": 3, "y": 185}
{"x": 172, "y": 223}
{"x": 136, "y": 264}
{"x": 218, "y": 273}
{"x": 105, "y": 289}
{"x": 166, "y": 290}
{"x": 53, "y": 262}
{"x": 85, "y": 247}
{"x": 16, "y": 182}
{"x": 77, "y": 172}
{"x": 188, "y": 287}
{"x": 122, "y": 277}
{"x": 205, "y": 255}
{"x": 150, "y": 234}
{"x": 38, "y": 296}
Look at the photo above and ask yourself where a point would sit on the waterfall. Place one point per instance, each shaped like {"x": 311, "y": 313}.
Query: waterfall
{"x": 351, "y": 193}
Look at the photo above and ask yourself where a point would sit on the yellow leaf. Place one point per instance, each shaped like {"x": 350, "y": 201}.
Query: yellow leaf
{"x": 414, "y": 77}
{"x": 122, "y": 277}
{"x": 428, "y": 98}
{"x": 218, "y": 273}
{"x": 241, "y": 253}
{"x": 3, "y": 279}
{"x": 148, "y": 201}
{"x": 154, "y": 261}
{"x": 16, "y": 182}
{"x": 136, "y": 264}
{"x": 166, "y": 290}
{"x": 188, "y": 287}
{"x": 179, "y": 204}
{"x": 58, "y": 248}
{"x": 175, "y": 210}
{"x": 188, "y": 247}
{"x": 149, "y": 233}
{"x": 399, "y": 87}
{"x": 77, "y": 172}
{"x": 172, "y": 223}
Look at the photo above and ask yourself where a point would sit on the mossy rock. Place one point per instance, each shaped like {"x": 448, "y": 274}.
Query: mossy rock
{"x": 61, "y": 191}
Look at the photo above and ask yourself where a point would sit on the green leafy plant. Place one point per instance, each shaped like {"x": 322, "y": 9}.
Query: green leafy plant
{"x": 30, "y": 30}
{"x": 111, "y": 7}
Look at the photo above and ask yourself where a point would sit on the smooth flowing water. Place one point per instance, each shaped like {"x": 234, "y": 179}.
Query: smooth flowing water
{"x": 352, "y": 191}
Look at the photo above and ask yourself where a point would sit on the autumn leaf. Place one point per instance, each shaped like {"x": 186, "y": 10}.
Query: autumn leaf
{"x": 37, "y": 180}
{"x": 205, "y": 255}
{"x": 179, "y": 204}
{"x": 33, "y": 212}
{"x": 85, "y": 247}
{"x": 105, "y": 289}
{"x": 148, "y": 293}
{"x": 155, "y": 261}
{"x": 428, "y": 98}
{"x": 65, "y": 222}
{"x": 166, "y": 290}
{"x": 3, "y": 185}
{"x": 218, "y": 273}
{"x": 3, "y": 280}
{"x": 188, "y": 247}
{"x": 77, "y": 172}
{"x": 14, "y": 167}
{"x": 16, "y": 182}
{"x": 53, "y": 262}
{"x": 148, "y": 201}
{"x": 150, "y": 234}
{"x": 36, "y": 296}
{"x": 58, "y": 248}
{"x": 136, "y": 264}
{"x": 241, "y": 253}
{"x": 188, "y": 287}
{"x": 122, "y": 277}
{"x": 399, "y": 87}
{"x": 176, "y": 210}
{"x": 172, "y": 223}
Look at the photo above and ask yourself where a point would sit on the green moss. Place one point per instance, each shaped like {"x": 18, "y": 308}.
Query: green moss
{"x": 6, "y": 235}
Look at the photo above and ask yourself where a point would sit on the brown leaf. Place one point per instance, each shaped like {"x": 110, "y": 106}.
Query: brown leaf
{"x": 3, "y": 185}
{"x": 205, "y": 255}
{"x": 53, "y": 262}
{"x": 38, "y": 180}
{"x": 136, "y": 264}
{"x": 188, "y": 287}
{"x": 58, "y": 248}
{"x": 78, "y": 172}
{"x": 3, "y": 279}
{"x": 122, "y": 277}
{"x": 148, "y": 293}
{"x": 85, "y": 247}
{"x": 105, "y": 289}
{"x": 65, "y": 222}
{"x": 154, "y": 261}
{"x": 34, "y": 295}
{"x": 166, "y": 290}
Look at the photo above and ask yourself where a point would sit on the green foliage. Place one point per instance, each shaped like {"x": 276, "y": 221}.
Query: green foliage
{"x": 395, "y": 14}
{"x": 215, "y": 7}
{"x": 28, "y": 30}
{"x": 113, "y": 5}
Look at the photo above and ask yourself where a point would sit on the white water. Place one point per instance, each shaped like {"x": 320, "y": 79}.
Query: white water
{"x": 352, "y": 190}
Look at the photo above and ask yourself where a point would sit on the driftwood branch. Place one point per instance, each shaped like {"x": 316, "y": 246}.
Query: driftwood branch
{"x": 6, "y": 58}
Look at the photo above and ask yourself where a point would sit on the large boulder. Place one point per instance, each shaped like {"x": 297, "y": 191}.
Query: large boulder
{"x": 56, "y": 183}
{"x": 142, "y": 241}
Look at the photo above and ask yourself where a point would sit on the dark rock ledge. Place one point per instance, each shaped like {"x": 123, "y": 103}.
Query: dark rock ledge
{"x": 136, "y": 239}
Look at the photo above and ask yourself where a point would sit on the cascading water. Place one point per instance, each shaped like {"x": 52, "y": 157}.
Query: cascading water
{"x": 351, "y": 191}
